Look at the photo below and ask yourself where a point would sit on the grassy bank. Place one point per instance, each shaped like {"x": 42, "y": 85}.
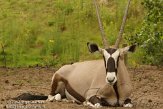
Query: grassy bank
{"x": 46, "y": 32}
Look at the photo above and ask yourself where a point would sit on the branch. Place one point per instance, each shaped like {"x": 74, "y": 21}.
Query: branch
{"x": 4, "y": 55}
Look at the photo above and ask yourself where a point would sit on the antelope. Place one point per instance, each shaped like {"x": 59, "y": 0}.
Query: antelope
{"x": 98, "y": 82}
{"x": 95, "y": 83}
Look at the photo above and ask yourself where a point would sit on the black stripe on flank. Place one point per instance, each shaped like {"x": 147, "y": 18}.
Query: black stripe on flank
{"x": 94, "y": 99}
{"x": 70, "y": 90}
{"x": 73, "y": 93}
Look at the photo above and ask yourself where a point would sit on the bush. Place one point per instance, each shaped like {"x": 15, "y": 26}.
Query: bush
{"x": 150, "y": 36}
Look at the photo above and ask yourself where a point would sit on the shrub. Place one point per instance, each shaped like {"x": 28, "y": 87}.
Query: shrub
{"x": 150, "y": 36}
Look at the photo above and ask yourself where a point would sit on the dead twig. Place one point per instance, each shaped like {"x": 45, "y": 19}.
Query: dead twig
{"x": 4, "y": 55}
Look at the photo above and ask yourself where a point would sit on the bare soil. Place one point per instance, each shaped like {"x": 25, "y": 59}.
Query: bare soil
{"x": 147, "y": 88}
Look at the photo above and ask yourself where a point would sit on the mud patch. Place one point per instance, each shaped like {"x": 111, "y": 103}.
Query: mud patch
{"x": 24, "y": 82}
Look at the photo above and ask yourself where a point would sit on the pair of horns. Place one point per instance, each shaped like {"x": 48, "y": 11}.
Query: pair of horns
{"x": 119, "y": 37}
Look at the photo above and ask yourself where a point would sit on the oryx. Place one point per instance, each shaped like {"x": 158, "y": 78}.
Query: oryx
{"x": 98, "y": 82}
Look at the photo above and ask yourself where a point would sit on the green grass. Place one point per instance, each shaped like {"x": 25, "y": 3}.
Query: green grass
{"x": 46, "y": 32}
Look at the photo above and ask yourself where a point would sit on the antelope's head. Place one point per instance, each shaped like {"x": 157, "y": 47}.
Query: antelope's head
{"x": 111, "y": 58}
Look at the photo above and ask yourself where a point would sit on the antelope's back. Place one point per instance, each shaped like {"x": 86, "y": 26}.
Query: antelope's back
{"x": 81, "y": 75}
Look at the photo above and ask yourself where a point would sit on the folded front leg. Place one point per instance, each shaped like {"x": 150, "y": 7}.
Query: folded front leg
{"x": 94, "y": 102}
{"x": 128, "y": 103}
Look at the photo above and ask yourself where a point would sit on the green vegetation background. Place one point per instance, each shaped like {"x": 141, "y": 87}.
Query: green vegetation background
{"x": 55, "y": 32}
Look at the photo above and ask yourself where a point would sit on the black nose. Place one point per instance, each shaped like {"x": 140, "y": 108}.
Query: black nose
{"x": 111, "y": 80}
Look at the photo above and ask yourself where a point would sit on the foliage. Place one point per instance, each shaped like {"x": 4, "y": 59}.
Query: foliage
{"x": 150, "y": 36}
{"x": 55, "y": 32}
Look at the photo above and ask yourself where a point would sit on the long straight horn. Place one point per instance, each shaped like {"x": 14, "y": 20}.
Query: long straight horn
{"x": 104, "y": 40}
{"x": 119, "y": 38}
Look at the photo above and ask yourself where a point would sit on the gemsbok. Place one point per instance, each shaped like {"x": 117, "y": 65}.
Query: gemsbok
{"x": 96, "y": 83}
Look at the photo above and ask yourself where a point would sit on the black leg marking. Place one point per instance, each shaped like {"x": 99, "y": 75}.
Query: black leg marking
{"x": 94, "y": 100}
{"x": 54, "y": 84}
{"x": 127, "y": 103}
{"x": 128, "y": 100}
{"x": 102, "y": 101}
{"x": 117, "y": 93}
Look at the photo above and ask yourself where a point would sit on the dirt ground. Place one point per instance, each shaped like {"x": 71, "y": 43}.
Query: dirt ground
{"x": 147, "y": 88}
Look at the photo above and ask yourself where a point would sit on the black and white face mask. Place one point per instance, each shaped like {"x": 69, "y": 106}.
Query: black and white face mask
{"x": 111, "y": 58}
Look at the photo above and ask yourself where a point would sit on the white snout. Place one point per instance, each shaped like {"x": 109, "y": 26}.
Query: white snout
{"x": 111, "y": 78}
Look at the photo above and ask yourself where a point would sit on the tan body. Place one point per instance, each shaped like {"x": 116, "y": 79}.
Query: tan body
{"x": 88, "y": 79}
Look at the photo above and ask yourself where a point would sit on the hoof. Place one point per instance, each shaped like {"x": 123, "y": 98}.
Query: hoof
{"x": 97, "y": 105}
{"x": 50, "y": 98}
{"x": 128, "y": 105}
{"x": 87, "y": 103}
{"x": 57, "y": 97}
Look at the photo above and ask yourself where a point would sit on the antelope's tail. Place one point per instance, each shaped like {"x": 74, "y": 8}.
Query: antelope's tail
{"x": 28, "y": 96}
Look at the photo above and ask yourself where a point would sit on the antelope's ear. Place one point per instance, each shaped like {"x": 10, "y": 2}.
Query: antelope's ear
{"x": 132, "y": 48}
{"x": 128, "y": 49}
{"x": 93, "y": 47}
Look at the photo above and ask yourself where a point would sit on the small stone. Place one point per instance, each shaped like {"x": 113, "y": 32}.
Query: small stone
{"x": 149, "y": 100}
{"x": 6, "y": 81}
{"x": 2, "y": 99}
{"x": 4, "y": 106}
